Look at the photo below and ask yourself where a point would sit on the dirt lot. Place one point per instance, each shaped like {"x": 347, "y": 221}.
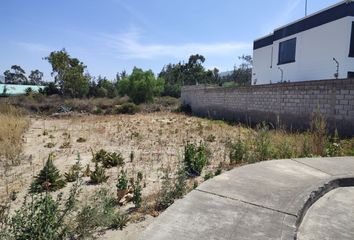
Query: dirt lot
{"x": 157, "y": 141}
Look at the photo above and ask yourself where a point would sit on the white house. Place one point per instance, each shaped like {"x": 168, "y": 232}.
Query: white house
{"x": 319, "y": 46}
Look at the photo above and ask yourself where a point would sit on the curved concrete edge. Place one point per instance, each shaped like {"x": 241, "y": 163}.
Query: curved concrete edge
{"x": 311, "y": 196}
{"x": 266, "y": 200}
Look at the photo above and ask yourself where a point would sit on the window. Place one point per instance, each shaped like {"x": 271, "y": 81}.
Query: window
{"x": 351, "y": 49}
{"x": 287, "y": 51}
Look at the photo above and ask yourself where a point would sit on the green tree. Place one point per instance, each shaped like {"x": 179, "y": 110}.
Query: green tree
{"x": 69, "y": 74}
{"x": 48, "y": 179}
{"x": 141, "y": 86}
{"x": 36, "y": 77}
{"x": 15, "y": 76}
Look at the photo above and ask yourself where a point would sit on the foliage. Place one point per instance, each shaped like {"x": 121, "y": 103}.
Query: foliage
{"x": 137, "y": 196}
{"x": 127, "y": 108}
{"x": 15, "y": 76}
{"x": 119, "y": 221}
{"x": 42, "y": 217}
{"x": 36, "y": 77}
{"x": 263, "y": 146}
{"x": 141, "y": 86}
{"x": 122, "y": 181}
{"x": 97, "y": 213}
{"x": 195, "y": 158}
{"x": 238, "y": 152}
{"x": 208, "y": 176}
{"x": 333, "y": 147}
{"x": 69, "y": 74}
{"x": 285, "y": 150}
{"x": 108, "y": 159}
{"x": 49, "y": 178}
{"x": 319, "y": 133}
{"x": 171, "y": 190}
{"x": 98, "y": 176}
{"x": 211, "y": 138}
{"x": 241, "y": 75}
{"x": 74, "y": 172}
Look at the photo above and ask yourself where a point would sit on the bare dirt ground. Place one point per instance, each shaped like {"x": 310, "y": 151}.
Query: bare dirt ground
{"x": 157, "y": 141}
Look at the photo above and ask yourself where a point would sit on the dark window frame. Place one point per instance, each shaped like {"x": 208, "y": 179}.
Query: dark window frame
{"x": 351, "y": 47}
{"x": 283, "y": 45}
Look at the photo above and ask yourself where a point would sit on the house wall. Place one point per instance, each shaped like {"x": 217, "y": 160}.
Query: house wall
{"x": 315, "y": 49}
{"x": 289, "y": 104}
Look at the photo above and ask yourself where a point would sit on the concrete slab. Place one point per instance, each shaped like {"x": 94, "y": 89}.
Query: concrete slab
{"x": 271, "y": 184}
{"x": 331, "y": 217}
{"x": 332, "y": 166}
{"x": 206, "y": 216}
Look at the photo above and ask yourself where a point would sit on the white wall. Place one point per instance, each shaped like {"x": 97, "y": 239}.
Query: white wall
{"x": 315, "y": 49}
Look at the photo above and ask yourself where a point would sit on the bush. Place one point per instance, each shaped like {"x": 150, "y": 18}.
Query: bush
{"x": 263, "y": 145}
{"x": 49, "y": 178}
{"x": 195, "y": 159}
{"x": 122, "y": 181}
{"x": 119, "y": 221}
{"x": 238, "y": 152}
{"x": 137, "y": 193}
{"x": 98, "y": 176}
{"x": 108, "y": 159}
{"x": 285, "y": 150}
{"x": 208, "y": 176}
{"x": 127, "y": 108}
{"x": 74, "y": 172}
{"x": 333, "y": 146}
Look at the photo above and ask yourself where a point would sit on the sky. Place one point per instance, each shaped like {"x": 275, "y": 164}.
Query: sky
{"x": 110, "y": 36}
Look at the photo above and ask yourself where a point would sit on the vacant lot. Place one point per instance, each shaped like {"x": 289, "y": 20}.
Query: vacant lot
{"x": 152, "y": 144}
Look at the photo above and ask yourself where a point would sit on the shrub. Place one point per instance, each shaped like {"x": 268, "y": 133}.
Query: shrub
{"x": 119, "y": 221}
{"x": 319, "y": 133}
{"x": 122, "y": 181}
{"x": 48, "y": 179}
{"x": 127, "y": 108}
{"x": 208, "y": 176}
{"x": 263, "y": 147}
{"x": 285, "y": 150}
{"x": 238, "y": 152}
{"x": 98, "y": 175}
{"x": 137, "y": 193}
{"x": 74, "y": 172}
{"x": 306, "y": 147}
{"x": 195, "y": 159}
{"x": 81, "y": 140}
{"x": 108, "y": 159}
{"x": 333, "y": 147}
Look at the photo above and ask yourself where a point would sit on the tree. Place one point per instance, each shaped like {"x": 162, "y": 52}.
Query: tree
{"x": 15, "y": 76}
{"x": 141, "y": 86}
{"x": 48, "y": 179}
{"x": 69, "y": 74}
{"x": 241, "y": 75}
{"x": 36, "y": 77}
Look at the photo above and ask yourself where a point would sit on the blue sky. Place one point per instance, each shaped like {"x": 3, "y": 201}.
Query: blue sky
{"x": 114, "y": 35}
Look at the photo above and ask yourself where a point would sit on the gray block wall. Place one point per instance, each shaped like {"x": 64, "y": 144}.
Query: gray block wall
{"x": 288, "y": 104}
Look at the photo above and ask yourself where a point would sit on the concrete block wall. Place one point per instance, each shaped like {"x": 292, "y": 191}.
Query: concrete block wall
{"x": 288, "y": 104}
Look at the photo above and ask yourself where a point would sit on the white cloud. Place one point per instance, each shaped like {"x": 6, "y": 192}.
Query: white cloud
{"x": 130, "y": 46}
{"x": 34, "y": 47}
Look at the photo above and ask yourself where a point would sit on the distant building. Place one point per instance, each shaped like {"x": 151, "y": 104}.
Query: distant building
{"x": 317, "y": 47}
{"x": 13, "y": 90}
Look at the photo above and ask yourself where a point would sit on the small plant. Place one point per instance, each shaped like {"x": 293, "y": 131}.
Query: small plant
{"x": 238, "y": 152}
{"x": 65, "y": 145}
{"x": 108, "y": 159}
{"x": 333, "y": 146}
{"x": 137, "y": 193}
{"x": 81, "y": 140}
{"x": 306, "y": 147}
{"x": 195, "y": 159}
{"x": 87, "y": 171}
{"x": 319, "y": 133}
{"x": 218, "y": 172}
{"x": 119, "y": 221}
{"x": 263, "y": 145}
{"x": 98, "y": 176}
{"x": 208, "y": 176}
{"x": 122, "y": 181}
{"x": 131, "y": 156}
{"x": 211, "y": 138}
{"x": 285, "y": 150}
{"x": 127, "y": 108}
{"x": 74, "y": 172}
{"x": 48, "y": 179}
{"x": 49, "y": 145}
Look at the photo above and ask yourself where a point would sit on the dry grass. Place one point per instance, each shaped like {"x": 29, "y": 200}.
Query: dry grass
{"x": 13, "y": 123}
